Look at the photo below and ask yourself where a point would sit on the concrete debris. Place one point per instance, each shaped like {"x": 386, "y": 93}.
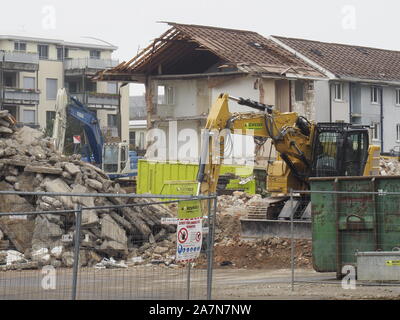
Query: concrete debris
{"x": 389, "y": 167}
{"x": 110, "y": 264}
{"x": 29, "y": 162}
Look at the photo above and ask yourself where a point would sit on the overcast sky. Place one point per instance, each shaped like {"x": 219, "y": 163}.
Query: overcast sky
{"x": 133, "y": 24}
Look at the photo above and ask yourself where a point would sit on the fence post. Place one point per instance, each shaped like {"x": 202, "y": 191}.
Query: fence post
{"x": 188, "y": 280}
{"x": 292, "y": 237}
{"x": 212, "y": 218}
{"x": 77, "y": 244}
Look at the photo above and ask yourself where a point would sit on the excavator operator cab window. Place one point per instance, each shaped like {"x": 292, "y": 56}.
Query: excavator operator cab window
{"x": 325, "y": 156}
{"x": 355, "y": 153}
{"x": 110, "y": 161}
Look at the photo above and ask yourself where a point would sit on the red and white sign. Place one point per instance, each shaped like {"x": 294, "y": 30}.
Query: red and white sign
{"x": 189, "y": 239}
{"x": 77, "y": 139}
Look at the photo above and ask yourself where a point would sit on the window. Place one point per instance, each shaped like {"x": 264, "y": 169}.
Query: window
{"x": 299, "y": 91}
{"x": 19, "y": 46}
{"x": 43, "y": 51}
{"x": 28, "y": 116}
{"x": 112, "y": 120}
{"x": 95, "y": 54}
{"x": 141, "y": 141}
{"x": 90, "y": 86}
{"x": 51, "y": 89}
{"x": 29, "y": 83}
{"x": 50, "y": 116}
{"x": 10, "y": 79}
{"x": 375, "y": 130}
{"x": 112, "y": 87}
{"x": 398, "y": 132}
{"x": 397, "y": 97}
{"x": 339, "y": 91}
{"x": 132, "y": 139}
{"x": 374, "y": 95}
{"x": 62, "y": 53}
{"x": 72, "y": 87}
{"x": 165, "y": 95}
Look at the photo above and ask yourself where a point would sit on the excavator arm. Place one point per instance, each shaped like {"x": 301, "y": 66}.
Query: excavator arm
{"x": 290, "y": 134}
{"x": 304, "y": 148}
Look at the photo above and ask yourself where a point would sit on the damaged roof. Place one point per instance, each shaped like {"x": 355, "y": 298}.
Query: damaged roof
{"x": 194, "y": 49}
{"x": 349, "y": 61}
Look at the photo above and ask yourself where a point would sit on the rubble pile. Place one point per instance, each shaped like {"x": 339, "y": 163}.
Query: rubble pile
{"x": 28, "y": 162}
{"x": 389, "y": 167}
{"x": 233, "y": 251}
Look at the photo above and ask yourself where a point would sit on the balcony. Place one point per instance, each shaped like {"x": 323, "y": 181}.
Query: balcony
{"x": 22, "y": 61}
{"x": 90, "y": 65}
{"x": 98, "y": 100}
{"x": 21, "y": 96}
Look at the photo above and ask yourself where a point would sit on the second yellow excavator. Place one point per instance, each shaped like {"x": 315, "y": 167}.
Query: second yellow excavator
{"x": 304, "y": 149}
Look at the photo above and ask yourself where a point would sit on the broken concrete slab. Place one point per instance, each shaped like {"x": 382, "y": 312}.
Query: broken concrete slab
{"x": 19, "y": 232}
{"x": 58, "y": 185}
{"x": 45, "y": 233}
{"x": 113, "y": 248}
{"x": 13, "y": 203}
{"x": 89, "y": 217}
{"x": 27, "y": 136}
{"x": 110, "y": 230}
{"x": 97, "y": 185}
{"x": 43, "y": 169}
{"x": 71, "y": 168}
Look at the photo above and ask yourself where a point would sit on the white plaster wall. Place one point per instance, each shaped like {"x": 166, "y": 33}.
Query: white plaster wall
{"x": 391, "y": 117}
{"x": 321, "y": 101}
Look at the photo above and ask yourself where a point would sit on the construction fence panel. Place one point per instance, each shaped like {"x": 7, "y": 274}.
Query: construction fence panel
{"x": 355, "y": 243}
{"x": 106, "y": 247}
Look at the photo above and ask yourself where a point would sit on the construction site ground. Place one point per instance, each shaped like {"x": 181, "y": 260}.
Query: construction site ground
{"x": 229, "y": 284}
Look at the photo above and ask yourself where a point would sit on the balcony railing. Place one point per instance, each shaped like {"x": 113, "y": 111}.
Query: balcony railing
{"x": 93, "y": 98}
{"x": 19, "y": 57}
{"x": 20, "y": 96}
{"x": 89, "y": 63}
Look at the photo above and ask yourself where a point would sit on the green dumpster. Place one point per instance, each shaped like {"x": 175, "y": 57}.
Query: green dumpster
{"x": 353, "y": 220}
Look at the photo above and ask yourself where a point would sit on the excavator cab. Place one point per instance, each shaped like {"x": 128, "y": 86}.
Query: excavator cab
{"x": 339, "y": 149}
{"x": 116, "y": 159}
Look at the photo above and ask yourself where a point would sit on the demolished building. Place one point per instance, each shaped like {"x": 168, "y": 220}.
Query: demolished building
{"x": 186, "y": 68}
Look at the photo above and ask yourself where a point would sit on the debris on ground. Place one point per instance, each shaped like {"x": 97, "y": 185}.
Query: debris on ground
{"x": 29, "y": 163}
{"x": 389, "y": 167}
{"x": 231, "y": 251}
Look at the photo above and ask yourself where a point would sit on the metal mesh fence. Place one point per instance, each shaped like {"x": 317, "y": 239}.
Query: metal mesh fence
{"x": 355, "y": 244}
{"x": 109, "y": 248}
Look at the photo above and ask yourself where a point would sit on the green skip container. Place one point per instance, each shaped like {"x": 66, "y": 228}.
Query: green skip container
{"x": 353, "y": 220}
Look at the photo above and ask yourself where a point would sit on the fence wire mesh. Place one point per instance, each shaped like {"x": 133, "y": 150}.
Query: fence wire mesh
{"x": 106, "y": 247}
{"x": 355, "y": 244}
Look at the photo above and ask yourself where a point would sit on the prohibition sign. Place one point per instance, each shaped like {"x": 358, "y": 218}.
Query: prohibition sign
{"x": 183, "y": 235}
{"x": 198, "y": 236}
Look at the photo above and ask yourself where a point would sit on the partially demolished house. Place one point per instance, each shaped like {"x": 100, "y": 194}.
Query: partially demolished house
{"x": 186, "y": 68}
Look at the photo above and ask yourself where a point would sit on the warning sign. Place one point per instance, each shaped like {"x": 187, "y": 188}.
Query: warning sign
{"x": 189, "y": 239}
{"x": 77, "y": 139}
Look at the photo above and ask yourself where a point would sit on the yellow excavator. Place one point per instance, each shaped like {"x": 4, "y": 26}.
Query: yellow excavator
{"x": 304, "y": 149}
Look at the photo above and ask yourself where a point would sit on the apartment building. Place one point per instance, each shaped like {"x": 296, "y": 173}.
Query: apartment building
{"x": 33, "y": 69}
{"x": 362, "y": 86}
